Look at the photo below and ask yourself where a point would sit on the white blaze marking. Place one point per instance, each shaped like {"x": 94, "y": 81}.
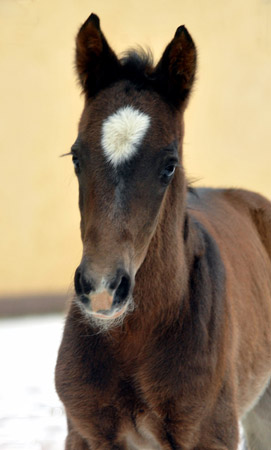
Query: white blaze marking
{"x": 122, "y": 133}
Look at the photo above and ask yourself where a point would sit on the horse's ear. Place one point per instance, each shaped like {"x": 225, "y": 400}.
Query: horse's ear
{"x": 96, "y": 63}
{"x": 175, "y": 72}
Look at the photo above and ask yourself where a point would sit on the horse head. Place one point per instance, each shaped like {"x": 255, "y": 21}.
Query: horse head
{"x": 128, "y": 160}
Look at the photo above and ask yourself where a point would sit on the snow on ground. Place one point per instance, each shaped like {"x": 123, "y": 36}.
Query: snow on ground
{"x": 31, "y": 415}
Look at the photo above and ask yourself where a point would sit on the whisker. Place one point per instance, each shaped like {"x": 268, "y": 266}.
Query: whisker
{"x": 65, "y": 154}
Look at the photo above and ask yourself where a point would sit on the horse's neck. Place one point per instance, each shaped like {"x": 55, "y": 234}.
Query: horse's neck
{"x": 162, "y": 280}
{"x": 161, "y": 293}
{"x": 162, "y": 283}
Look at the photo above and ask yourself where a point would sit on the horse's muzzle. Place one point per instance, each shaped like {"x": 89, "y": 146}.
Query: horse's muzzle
{"x": 106, "y": 297}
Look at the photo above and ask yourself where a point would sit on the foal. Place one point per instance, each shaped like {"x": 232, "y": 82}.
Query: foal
{"x": 167, "y": 343}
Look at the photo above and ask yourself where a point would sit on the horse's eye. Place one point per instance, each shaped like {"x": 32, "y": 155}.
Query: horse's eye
{"x": 167, "y": 173}
{"x": 76, "y": 163}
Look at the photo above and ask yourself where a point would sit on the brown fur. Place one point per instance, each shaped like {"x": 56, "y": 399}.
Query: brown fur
{"x": 194, "y": 356}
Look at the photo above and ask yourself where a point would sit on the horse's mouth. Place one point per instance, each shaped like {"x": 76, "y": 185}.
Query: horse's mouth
{"x": 113, "y": 313}
{"x": 103, "y": 306}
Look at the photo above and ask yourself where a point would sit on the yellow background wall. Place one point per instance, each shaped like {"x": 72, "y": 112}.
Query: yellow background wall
{"x": 228, "y": 127}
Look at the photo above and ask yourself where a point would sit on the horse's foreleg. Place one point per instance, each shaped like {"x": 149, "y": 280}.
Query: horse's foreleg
{"x": 74, "y": 441}
{"x": 218, "y": 431}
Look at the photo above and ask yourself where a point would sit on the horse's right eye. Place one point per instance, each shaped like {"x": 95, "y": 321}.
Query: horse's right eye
{"x": 76, "y": 163}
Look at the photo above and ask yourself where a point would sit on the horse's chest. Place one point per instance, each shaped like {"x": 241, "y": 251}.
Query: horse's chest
{"x": 106, "y": 398}
{"x": 118, "y": 410}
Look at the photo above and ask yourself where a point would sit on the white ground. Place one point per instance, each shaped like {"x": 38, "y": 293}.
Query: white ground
{"x": 31, "y": 416}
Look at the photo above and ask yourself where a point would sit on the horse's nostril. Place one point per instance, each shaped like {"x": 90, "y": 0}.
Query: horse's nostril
{"x": 77, "y": 282}
{"x": 123, "y": 289}
{"x": 81, "y": 284}
{"x": 86, "y": 285}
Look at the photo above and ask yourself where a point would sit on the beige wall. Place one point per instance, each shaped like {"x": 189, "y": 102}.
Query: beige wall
{"x": 227, "y": 124}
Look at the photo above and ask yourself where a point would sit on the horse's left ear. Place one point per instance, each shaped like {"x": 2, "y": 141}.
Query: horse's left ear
{"x": 175, "y": 73}
{"x": 96, "y": 63}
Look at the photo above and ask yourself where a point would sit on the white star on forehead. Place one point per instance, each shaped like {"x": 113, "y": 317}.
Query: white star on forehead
{"x": 122, "y": 133}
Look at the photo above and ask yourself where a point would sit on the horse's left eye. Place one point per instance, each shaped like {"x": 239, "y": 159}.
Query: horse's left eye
{"x": 167, "y": 173}
{"x": 76, "y": 163}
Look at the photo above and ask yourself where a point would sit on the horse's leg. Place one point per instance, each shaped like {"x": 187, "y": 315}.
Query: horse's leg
{"x": 257, "y": 423}
{"x": 74, "y": 441}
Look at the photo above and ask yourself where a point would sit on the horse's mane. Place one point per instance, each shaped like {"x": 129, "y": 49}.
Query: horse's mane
{"x": 137, "y": 65}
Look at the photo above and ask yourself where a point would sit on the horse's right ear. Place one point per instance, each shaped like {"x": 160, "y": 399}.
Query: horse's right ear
{"x": 174, "y": 74}
{"x": 96, "y": 63}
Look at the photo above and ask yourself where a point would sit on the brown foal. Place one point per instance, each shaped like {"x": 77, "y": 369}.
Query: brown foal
{"x": 167, "y": 343}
